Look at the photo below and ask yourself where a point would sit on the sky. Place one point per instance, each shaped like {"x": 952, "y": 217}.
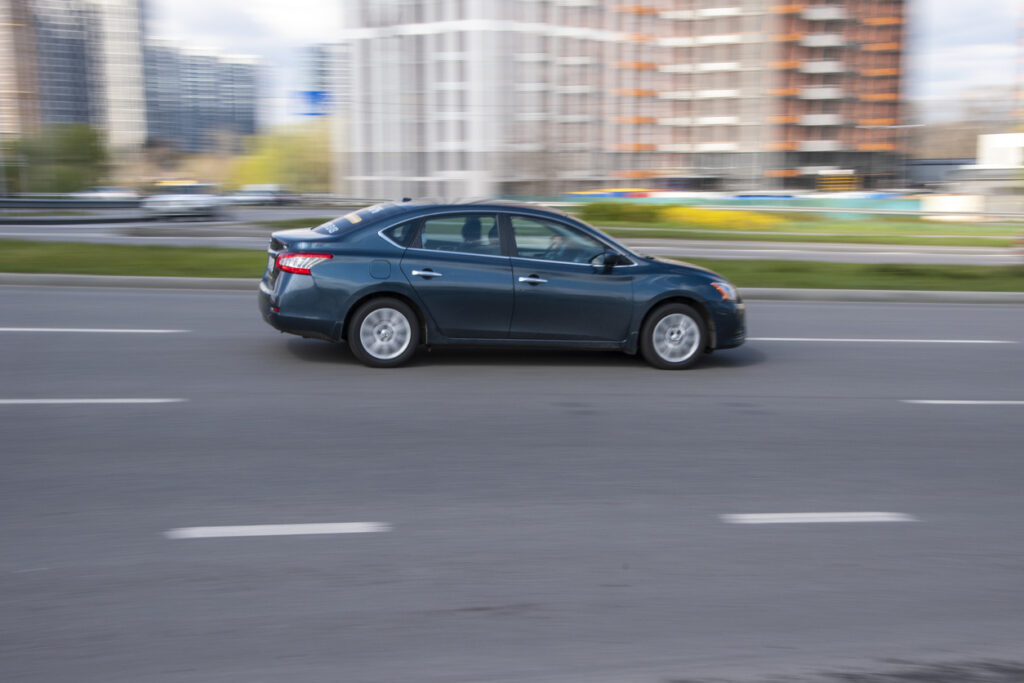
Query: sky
{"x": 273, "y": 30}
{"x": 953, "y": 45}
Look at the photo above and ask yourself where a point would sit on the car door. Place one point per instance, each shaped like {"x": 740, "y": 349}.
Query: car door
{"x": 458, "y": 269}
{"x": 560, "y": 292}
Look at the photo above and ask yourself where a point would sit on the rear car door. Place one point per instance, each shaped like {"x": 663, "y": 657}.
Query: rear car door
{"x": 458, "y": 269}
{"x": 560, "y": 292}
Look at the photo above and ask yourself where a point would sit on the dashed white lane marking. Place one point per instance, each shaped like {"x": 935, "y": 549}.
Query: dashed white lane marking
{"x": 92, "y": 330}
{"x": 278, "y": 530}
{"x": 83, "y": 401}
{"x": 947, "y": 402}
{"x": 818, "y": 518}
{"x": 882, "y": 341}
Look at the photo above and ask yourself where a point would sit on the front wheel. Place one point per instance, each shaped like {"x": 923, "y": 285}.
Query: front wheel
{"x": 384, "y": 333}
{"x": 673, "y": 337}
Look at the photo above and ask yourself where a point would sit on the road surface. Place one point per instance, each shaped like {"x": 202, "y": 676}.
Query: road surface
{"x": 522, "y": 517}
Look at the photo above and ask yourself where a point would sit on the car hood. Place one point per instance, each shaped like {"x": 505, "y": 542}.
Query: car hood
{"x": 681, "y": 266}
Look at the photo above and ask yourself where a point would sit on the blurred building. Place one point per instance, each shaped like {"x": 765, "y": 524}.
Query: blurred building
{"x": 19, "y": 87}
{"x": 494, "y": 97}
{"x": 117, "y": 37}
{"x": 326, "y": 80}
{"x": 318, "y": 67}
{"x": 67, "y": 60}
{"x": 86, "y": 61}
{"x": 73, "y": 61}
{"x": 198, "y": 100}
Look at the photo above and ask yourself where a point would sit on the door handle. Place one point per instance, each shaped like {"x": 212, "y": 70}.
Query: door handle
{"x": 426, "y": 273}
{"x": 533, "y": 280}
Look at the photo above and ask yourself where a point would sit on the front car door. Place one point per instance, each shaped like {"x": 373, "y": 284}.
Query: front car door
{"x": 562, "y": 292}
{"x": 456, "y": 265}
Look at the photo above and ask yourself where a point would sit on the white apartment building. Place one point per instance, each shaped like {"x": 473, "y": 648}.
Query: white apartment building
{"x": 119, "y": 42}
{"x": 537, "y": 97}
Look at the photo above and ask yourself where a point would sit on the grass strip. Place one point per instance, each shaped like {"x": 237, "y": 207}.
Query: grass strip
{"x": 117, "y": 259}
{"x": 120, "y": 259}
{"x": 822, "y": 275}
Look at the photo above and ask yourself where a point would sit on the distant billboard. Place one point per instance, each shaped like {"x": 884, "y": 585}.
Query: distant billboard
{"x": 314, "y": 102}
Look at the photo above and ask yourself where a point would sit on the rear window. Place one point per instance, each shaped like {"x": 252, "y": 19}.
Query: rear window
{"x": 358, "y": 218}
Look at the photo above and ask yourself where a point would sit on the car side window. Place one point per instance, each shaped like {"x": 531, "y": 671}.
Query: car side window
{"x": 402, "y": 234}
{"x": 540, "y": 239}
{"x": 468, "y": 233}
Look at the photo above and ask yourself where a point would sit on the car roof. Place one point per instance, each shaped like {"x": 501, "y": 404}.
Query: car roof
{"x": 474, "y": 202}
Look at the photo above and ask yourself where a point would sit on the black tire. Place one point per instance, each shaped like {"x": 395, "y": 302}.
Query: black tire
{"x": 674, "y": 337}
{"x": 392, "y": 342}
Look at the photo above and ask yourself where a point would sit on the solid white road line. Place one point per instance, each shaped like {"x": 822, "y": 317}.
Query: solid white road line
{"x": 882, "y": 341}
{"x": 83, "y": 401}
{"x": 817, "y": 518}
{"x": 278, "y": 530}
{"x": 92, "y": 330}
{"x": 945, "y": 402}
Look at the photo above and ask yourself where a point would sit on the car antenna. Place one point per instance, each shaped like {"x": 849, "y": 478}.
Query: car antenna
{"x": 406, "y": 199}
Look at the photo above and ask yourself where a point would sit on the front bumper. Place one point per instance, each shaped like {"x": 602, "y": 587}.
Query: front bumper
{"x": 730, "y": 325}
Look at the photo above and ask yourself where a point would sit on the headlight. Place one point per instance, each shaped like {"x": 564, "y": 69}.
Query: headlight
{"x": 727, "y": 291}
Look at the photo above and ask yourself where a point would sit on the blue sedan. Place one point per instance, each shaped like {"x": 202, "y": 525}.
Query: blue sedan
{"x": 392, "y": 277}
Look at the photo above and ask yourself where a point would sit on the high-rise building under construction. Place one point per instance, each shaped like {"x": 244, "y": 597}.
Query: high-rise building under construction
{"x": 535, "y": 97}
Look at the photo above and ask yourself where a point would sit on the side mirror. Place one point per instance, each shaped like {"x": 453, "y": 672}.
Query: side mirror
{"x": 610, "y": 260}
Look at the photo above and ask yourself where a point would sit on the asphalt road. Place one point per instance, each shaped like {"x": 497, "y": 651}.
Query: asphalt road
{"x": 542, "y": 517}
{"x": 242, "y": 231}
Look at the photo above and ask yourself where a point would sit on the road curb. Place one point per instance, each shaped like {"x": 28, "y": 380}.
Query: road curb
{"x": 128, "y": 281}
{"x": 748, "y": 293}
{"x": 880, "y": 295}
{"x": 29, "y": 221}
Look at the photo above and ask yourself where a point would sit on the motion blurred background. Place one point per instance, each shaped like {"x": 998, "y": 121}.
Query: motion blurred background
{"x": 386, "y": 98}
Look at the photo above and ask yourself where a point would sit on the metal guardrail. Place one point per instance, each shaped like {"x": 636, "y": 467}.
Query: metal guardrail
{"x": 42, "y": 203}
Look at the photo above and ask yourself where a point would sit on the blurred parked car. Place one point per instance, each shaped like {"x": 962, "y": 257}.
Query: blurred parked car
{"x": 184, "y": 199}
{"x": 107, "y": 193}
{"x": 264, "y": 195}
{"x": 391, "y": 277}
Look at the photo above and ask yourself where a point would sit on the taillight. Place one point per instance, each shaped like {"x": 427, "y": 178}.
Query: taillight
{"x": 300, "y": 262}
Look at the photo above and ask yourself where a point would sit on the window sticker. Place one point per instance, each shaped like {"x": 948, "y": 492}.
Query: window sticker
{"x": 353, "y": 218}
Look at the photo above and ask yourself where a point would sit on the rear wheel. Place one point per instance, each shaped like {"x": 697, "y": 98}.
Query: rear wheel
{"x": 384, "y": 333}
{"x": 673, "y": 337}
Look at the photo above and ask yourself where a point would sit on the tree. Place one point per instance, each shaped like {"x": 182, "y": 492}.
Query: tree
{"x": 61, "y": 158}
{"x": 297, "y": 156}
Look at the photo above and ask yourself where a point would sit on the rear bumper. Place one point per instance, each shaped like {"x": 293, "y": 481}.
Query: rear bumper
{"x": 316, "y": 328}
